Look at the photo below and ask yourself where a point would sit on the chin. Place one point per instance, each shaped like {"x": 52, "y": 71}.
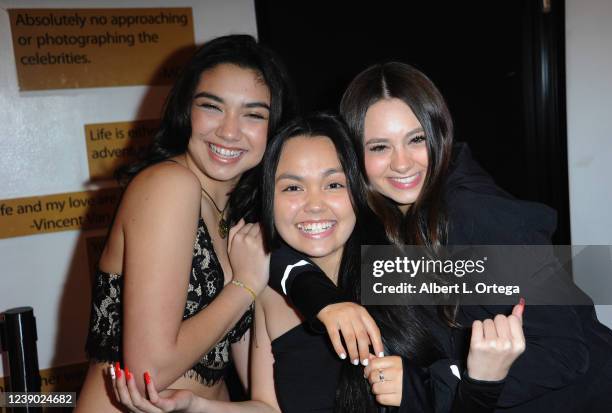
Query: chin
{"x": 402, "y": 199}
{"x": 405, "y": 201}
{"x": 226, "y": 173}
{"x": 316, "y": 251}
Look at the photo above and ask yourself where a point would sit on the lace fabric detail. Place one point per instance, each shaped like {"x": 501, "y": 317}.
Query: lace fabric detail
{"x": 205, "y": 283}
{"x": 104, "y": 338}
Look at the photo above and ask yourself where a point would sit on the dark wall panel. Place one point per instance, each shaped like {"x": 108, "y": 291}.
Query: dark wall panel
{"x": 485, "y": 56}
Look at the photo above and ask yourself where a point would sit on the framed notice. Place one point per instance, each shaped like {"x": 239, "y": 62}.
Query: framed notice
{"x": 78, "y": 48}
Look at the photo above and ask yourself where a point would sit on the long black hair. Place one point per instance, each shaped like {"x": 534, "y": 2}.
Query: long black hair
{"x": 314, "y": 125}
{"x": 403, "y": 328}
{"x": 174, "y": 132}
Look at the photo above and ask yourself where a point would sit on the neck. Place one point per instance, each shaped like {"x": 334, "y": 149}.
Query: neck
{"x": 219, "y": 191}
{"x": 330, "y": 264}
{"x": 404, "y": 208}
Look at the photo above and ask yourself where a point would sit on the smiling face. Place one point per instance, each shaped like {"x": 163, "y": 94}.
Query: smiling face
{"x": 229, "y": 122}
{"x": 395, "y": 151}
{"x": 312, "y": 207}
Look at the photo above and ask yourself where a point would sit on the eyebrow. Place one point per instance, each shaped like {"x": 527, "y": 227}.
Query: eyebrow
{"x": 325, "y": 174}
{"x": 220, "y": 100}
{"x": 383, "y": 140}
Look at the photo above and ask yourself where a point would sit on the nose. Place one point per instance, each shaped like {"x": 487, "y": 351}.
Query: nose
{"x": 315, "y": 202}
{"x": 401, "y": 161}
{"x": 229, "y": 128}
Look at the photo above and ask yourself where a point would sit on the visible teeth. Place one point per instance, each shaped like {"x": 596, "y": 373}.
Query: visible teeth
{"x": 226, "y": 153}
{"x": 315, "y": 227}
{"x": 406, "y": 180}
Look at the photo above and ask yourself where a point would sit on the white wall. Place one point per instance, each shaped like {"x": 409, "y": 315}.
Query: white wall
{"x": 42, "y": 151}
{"x": 589, "y": 112}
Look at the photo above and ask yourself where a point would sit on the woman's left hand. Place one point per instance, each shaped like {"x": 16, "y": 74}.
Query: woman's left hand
{"x": 495, "y": 345}
{"x": 128, "y": 395}
{"x": 352, "y": 323}
{"x": 385, "y": 375}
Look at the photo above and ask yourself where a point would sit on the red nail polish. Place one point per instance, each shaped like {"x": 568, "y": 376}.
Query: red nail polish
{"x": 147, "y": 377}
{"x": 522, "y": 301}
{"x": 128, "y": 375}
{"x": 118, "y": 370}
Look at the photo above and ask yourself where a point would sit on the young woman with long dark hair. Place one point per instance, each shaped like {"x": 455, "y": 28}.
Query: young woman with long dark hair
{"x": 427, "y": 191}
{"x": 314, "y": 201}
{"x": 165, "y": 297}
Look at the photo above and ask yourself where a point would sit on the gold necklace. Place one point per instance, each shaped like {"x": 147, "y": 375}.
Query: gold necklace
{"x": 223, "y": 225}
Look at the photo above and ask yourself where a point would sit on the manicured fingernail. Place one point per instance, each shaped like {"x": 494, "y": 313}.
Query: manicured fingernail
{"x": 111, "y": 371}
{"x": 356, "y": 362}
{"x": 381, "y": 354}
{"x": 118, "y": 370}
{"x": 342, "y": 356}
{"x": 147, "y": 377}
{"x": 522, "y": 301}
{"x": 365, "y": 362}
{"x": 128, "y": 375}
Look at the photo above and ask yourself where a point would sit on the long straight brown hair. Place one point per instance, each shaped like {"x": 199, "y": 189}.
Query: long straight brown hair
{"x": 425, "y": 223}
{"x": 404, "y": 329}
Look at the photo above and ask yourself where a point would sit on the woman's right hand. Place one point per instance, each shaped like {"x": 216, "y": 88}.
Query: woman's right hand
{"x": 171, "y": 400}
{"x": 248, "y": 258}
{"x": 495, "y": 345}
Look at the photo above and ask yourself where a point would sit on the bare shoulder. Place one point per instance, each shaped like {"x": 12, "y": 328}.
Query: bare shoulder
{"x": 161, "y": 189}
{"x": 166, "y": 175}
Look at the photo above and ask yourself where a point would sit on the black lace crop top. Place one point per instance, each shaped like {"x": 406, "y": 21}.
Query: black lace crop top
{"x": 205, "y": 282}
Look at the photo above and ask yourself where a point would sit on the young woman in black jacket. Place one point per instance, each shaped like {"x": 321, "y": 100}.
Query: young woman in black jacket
{"x": 426, "y": 191}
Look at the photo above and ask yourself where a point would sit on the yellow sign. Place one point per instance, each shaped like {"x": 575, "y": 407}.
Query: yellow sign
{"x": 110, "y": 145}
{"x": 62, "y": 212}
{"x": 76, "y": 48}
{"x": 64, "y": 378}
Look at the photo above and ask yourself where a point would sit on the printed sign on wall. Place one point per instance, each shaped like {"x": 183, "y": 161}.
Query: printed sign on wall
{"x": 61, "y": 212}
{"x": 110, "y": 145}
{"x": 76, "y": 48}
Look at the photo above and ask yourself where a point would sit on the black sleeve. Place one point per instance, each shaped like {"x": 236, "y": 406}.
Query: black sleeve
{"x": 437, "y": 389}
{"x": 557, "y": 351}
{"x": 475, "y": 396}
{"x": 303, "y": 283}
